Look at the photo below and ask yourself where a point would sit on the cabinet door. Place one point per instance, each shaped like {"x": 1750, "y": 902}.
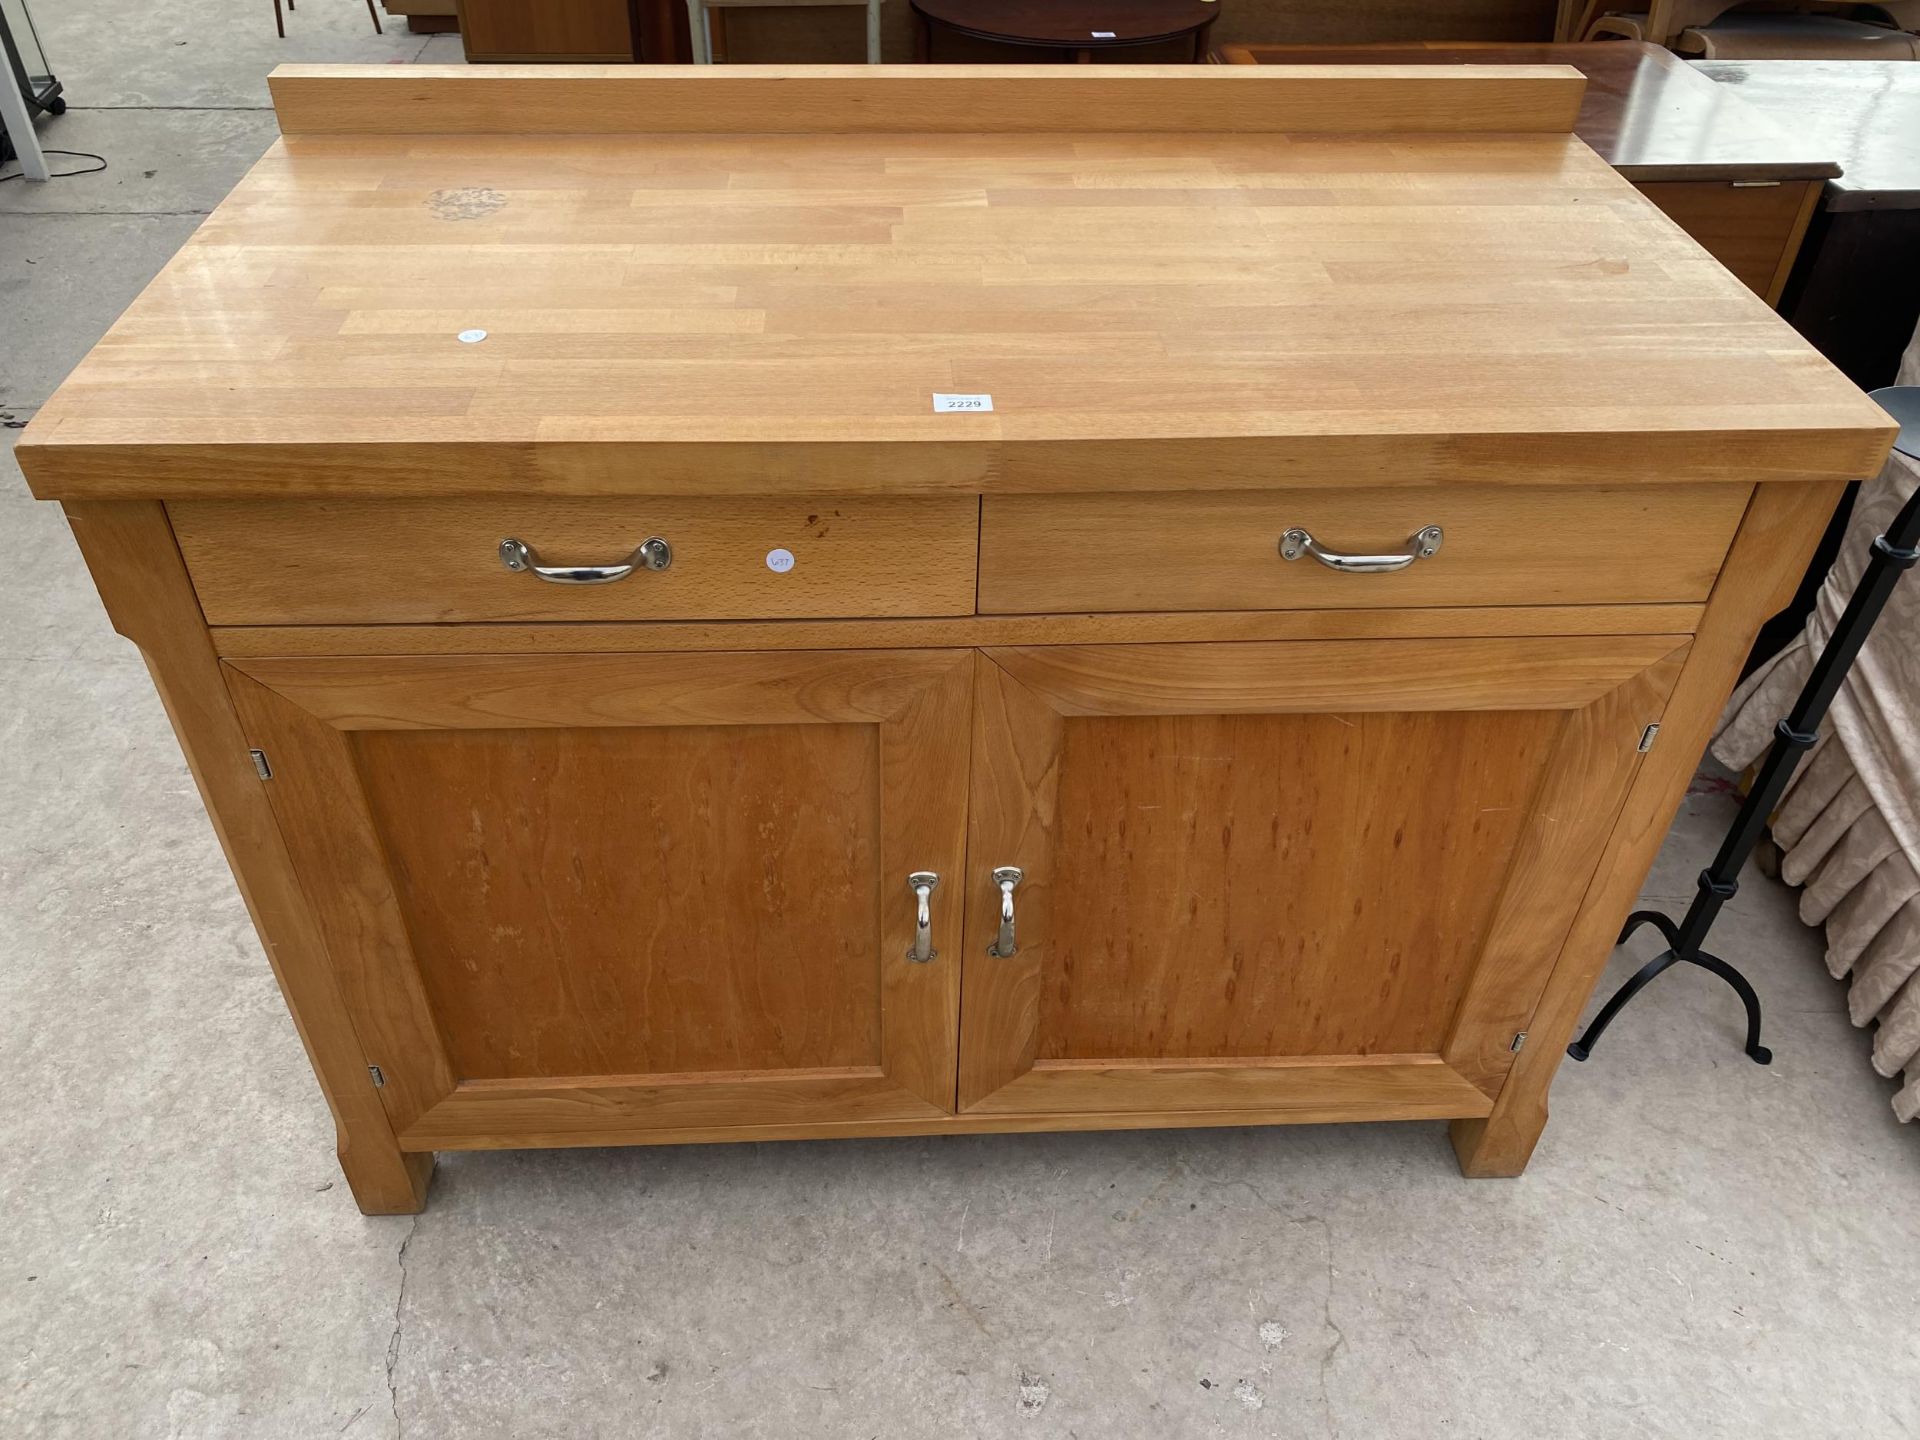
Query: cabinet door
{"x": 1317, "y": 880}
{"x": 584, "y": 898}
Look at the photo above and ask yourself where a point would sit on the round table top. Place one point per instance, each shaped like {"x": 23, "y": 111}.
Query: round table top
{"x": 1082, "y": 24}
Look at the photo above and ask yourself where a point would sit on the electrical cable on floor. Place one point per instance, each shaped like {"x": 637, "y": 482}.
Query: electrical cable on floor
{"x": 62, "y": 174}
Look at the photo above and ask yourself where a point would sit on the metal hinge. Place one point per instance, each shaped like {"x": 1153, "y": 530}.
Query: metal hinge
{"x": 1519, "y": 1039}
{"x": 378, "y": 1078}
{"x": 260, "y": 765}
{"x": 1648, "y": 736}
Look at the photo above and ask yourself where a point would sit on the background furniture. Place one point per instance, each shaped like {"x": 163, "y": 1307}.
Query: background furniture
{"x": 27, "y": 87}
{"x": 1849, "y": 826}
{"x": 1855, "y": 287}
{"x": 280, "y": 20}
{"x": 1289, "y": 622}
{"x": 1855, "y": 292}
{"x": 702, "y": 32}
{"x": 1664, "y": 22}
{"x": 425, "y": 17}
{"x": 1081, "y": 29}
{"x": 1739, "y": 183}
{"x": 607, "y": 32}
{"x": 1353, "y": 22}
{"x": 1796, "y": 37}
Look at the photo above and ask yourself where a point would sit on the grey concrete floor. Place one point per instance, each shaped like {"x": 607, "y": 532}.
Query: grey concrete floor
{"x": 1701, "y": 1247}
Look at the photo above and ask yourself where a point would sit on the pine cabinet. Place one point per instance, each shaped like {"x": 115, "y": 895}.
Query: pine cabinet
{"x": 747, "y": 605}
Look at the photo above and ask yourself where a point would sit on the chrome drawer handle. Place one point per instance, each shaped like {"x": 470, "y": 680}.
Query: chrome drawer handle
{"x": 653, "y": 554}
{"x": 921, "y": 882}
{"x": 1420, "y": 545}
{"x": 1006, "y": 877}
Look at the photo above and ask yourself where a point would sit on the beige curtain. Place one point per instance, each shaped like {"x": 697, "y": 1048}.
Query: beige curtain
{"x": 1849, "y": 827}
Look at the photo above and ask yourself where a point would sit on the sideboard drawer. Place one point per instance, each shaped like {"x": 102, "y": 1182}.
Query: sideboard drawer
{"x": 1499, "y": 545}
{"x": 290, "y": 562}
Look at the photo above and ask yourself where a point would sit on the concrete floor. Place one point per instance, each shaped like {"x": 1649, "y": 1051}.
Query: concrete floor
{"x": 1701, "y": 1248}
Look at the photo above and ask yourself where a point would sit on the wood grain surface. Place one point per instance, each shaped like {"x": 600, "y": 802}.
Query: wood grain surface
{"x": 483, "y": 692}
{"x": 1450, "y": 622}
{"x": 632, "y": 900}
{"x": 1782, "y": 525}
{"x": 1333, "y": 675}
{"x": 499, "y": 1115}
{"x": 295, "y": 562}
{"x": 1754, "y": 231}
{"x": 762, "y": 314}
{"x": 143, "y": 582}
{"x": 704, "y": 895}
{"x": 777, "y": 99}
{"x": 1237, "y": 873}
{"x": 1503, "y": 546}
{"x": 1256, "y": 885}
{"x": 589, "y": 30}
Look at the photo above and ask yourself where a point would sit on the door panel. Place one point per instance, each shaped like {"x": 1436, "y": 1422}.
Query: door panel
{"x": 1241, "y": 891}
{"x": 654, "y": 891}
{"x": 539, "y": 962}
{"x": 1211, "y": 918}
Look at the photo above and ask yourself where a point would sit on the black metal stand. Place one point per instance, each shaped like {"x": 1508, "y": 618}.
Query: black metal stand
{"x": 1893, "y": 553}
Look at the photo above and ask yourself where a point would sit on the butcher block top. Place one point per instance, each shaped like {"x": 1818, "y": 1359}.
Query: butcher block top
{"x": 758, "y": 279}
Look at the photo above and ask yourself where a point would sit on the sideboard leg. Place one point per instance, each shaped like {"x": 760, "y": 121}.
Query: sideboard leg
{"x": 1783, "y": 522}
{"x": 1498, "y": 1147}
{"x": 129, "y": 547}
{"x": 385, "y": 1179}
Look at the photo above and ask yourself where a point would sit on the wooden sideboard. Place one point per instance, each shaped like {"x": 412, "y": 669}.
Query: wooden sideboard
{"x": 1741, "y": 184}
{"x": 1250, "y": 718}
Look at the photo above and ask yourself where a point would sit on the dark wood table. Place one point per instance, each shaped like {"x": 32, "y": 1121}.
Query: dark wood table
{"x": 1083, "y": 28}
{"x": 1735, "y": 179}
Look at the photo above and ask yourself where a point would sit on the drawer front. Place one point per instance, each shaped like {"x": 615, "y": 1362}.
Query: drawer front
{"x": 1753, "y": 230}
{"x": 1500, "y": 545}
{"x": 406, "y": 561}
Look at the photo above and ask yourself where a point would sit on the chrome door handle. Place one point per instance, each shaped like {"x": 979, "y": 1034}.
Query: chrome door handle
{"x": 651, "y": 554}
{"x": 1006, "y": 877}
{"x": 921, "y": 882}
{"x": 1421, "y": 544}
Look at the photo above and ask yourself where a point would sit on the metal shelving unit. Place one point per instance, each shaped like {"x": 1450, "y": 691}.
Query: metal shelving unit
{"x": 30, "y": 87}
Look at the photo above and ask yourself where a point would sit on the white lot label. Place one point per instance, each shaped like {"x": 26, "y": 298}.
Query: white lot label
{"x": 961, "y": 402}
{"x": 779, "y": 561}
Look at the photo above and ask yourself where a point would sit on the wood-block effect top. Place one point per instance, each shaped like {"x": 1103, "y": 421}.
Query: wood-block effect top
{"x": 760, "y": 312}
